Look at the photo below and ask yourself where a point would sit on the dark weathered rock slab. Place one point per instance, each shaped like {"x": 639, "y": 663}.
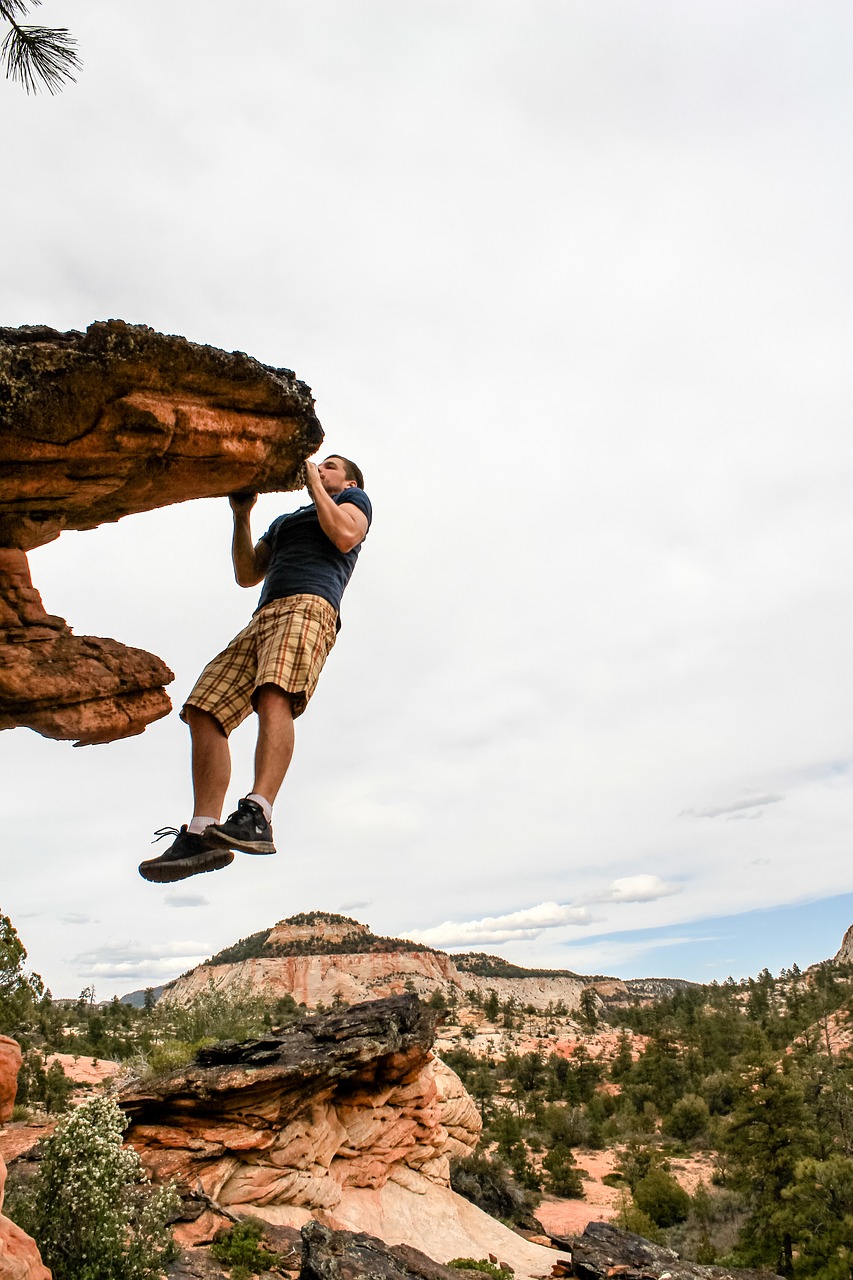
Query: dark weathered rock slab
{"x": 345, "y": 1255}
{"x": 603, "y": 1251}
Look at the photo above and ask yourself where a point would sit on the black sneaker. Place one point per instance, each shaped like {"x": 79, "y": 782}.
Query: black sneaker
{"x": 189, "y": 855}
{"x": 246, "y": 830}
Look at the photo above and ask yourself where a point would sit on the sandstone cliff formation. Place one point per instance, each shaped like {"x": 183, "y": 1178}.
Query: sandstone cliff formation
{"x": 321, "y": 957}
{"x": 345, "y": 1117}
{"x": 844, "y": 954}
{"x": 19, "y": 1255}
{"x": 98, "y": 425}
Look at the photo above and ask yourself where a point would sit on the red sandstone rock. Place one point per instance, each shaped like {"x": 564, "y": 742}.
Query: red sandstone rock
{"x": 19, "y": 1256}
{"x": 347, "y": 1100}
{"x": 102, "y": 424}
{"x": 10, "y": 1064}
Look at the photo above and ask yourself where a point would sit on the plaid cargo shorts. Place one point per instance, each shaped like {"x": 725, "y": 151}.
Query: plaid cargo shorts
{"x": 286, "y": 643}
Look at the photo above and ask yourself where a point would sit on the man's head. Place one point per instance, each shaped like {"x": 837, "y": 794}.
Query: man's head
{"x": 338, "y": 473}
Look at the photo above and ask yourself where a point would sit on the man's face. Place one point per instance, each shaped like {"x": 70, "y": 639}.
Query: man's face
{"x": 333, "y": 476}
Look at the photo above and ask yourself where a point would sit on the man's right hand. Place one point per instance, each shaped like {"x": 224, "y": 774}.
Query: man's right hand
{"x": 242, "y": 501}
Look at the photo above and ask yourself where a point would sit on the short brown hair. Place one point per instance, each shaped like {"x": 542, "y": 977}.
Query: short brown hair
{"x": 352, "y": 471}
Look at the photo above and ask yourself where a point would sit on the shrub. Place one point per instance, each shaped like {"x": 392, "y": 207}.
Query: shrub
{"x": 241, "y": 1250}
{"x": 689, "y": 1117}
{"x": 488, "y": 1268}
{"x": 660, "y": 1197}
{"x": 489, "y": 1184}
{"x": 84, "y": 1208}
{"x": 632, "y": 1218}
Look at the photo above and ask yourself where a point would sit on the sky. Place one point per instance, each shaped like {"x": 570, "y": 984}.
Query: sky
{"x": 571, "y": 282}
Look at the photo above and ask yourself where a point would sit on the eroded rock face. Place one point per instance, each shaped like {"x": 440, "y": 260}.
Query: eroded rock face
{"x": 10, "y": 1065}
{"x": 351, "y": 1099}
{"x": 98, "y": 425}
{"x": 316, "y": 979}
{"x": 335, "y": 964}
{"x": 19, "y": 1255}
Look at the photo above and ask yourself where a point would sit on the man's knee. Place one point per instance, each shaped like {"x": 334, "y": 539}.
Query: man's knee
{"x": 201, "y": 722}
{"x": 273, "y": 699}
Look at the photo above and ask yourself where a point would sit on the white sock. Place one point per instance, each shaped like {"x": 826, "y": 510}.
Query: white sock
{"x": 198, "y": 825}
{"x": 265, "y": 804}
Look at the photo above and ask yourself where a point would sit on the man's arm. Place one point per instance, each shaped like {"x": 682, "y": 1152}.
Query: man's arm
{"x": 345, "y": 525}
{"x": 250, "y": 562}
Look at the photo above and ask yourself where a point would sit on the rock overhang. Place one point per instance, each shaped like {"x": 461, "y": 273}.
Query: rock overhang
{"x": 96, "y": 425}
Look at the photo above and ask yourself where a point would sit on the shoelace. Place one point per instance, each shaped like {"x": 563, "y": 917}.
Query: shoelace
{"x": 165, "y": 831}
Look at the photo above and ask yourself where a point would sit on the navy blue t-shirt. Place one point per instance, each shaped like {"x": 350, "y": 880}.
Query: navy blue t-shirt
{"x": 304, "y": 559}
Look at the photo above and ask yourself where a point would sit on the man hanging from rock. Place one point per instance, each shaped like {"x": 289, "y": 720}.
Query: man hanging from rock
{"x": 305, "y": 560}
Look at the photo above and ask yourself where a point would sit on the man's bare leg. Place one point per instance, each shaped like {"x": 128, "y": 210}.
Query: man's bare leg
{"x": 275, "y": 740}
{"x": 211, "y": 763}
{"x": 192, "y": 852}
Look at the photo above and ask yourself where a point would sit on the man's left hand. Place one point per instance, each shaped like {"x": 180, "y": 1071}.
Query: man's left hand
{"x": 312, "y": 477}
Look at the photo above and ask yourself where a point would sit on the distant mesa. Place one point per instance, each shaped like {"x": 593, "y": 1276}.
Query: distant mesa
{"x": 320, "y": 958}
{"x": 103, "y": 424}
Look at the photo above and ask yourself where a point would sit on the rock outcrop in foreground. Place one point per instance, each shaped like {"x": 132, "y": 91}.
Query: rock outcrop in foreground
{"x": 19, "y": 1255}
{"x": 347, "y": 1118}
{"x": 98, "y": 425}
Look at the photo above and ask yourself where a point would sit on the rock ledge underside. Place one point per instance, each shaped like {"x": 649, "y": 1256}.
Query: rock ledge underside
{"x": 98, "y": 425}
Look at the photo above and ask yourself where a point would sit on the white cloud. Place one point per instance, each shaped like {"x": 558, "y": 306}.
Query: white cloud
{"x": 516, "y": 926}
{"x": 722, "y": 810}
{"x": 642, "y": 888}
{"x": 186, "y": 900}
{"x": 121, "y": 961}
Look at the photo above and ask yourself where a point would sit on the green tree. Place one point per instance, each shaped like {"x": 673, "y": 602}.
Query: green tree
{"x": 83, "y": 1208}
{"x": 589, "y": 1007}
{"x": 769, "y": 1133}
{"x": 564, "y": 1178}
{"x": 20, "y": 992}
{"x": 36, "y": 56}
{"x": 820, "y": 1207}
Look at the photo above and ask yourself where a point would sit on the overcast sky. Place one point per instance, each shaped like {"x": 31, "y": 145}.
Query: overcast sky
{"x": 571, "y": 281}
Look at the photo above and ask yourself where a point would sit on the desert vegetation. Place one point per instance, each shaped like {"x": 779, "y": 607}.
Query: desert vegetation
{"x": 754, "y": 1080}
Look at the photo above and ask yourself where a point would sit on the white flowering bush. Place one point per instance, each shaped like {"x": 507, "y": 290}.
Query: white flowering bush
{"x": 85, "y": 1208}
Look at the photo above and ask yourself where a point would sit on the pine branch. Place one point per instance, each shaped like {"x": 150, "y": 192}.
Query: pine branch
{"x": 9, "y": 8}
{"x": 38, "y": 56}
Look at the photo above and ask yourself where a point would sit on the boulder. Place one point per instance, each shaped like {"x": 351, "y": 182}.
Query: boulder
{"x": 98, "y": 425}
{"x": 19, "y": 1255}
{"x": 343, "y": 1255}
{"x": 603, "y": 1251}
{"x": 346, "y": 1117}
{"x": 10, "y": 1065}
{"x": 346, "y": 1099}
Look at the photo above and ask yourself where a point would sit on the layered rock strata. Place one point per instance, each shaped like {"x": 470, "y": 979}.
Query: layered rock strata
{"x": 349, "y": 1099}
{"x": 345, "y": 1117}
{"x": 98, "y": 425}
{"x": 19, "y": 1255}
{"x": 338, "y": 964}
